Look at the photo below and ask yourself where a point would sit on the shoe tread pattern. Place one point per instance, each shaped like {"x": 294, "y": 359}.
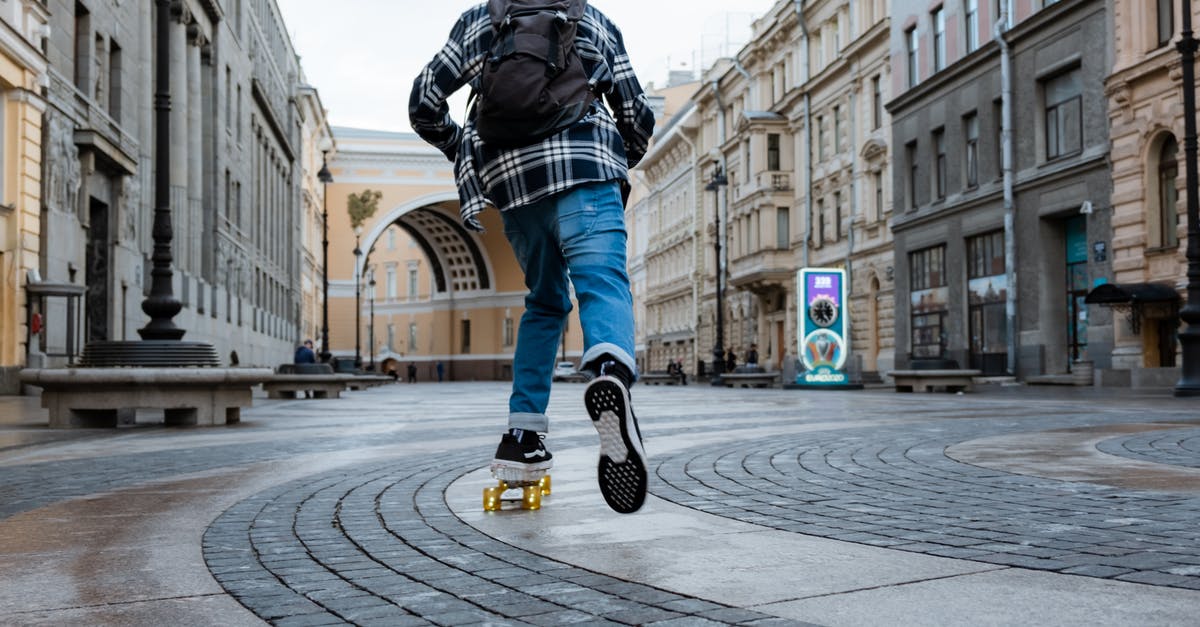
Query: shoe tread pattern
{"x": 621, "y": 471}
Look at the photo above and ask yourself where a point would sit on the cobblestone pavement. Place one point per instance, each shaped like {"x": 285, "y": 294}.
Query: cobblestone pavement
{"x": 335, "y": 512}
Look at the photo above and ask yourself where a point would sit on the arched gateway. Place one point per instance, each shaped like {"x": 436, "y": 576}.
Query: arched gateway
{"x": 441, "y": 294}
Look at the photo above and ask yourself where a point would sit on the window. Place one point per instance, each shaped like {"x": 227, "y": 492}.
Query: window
{"x": 237, "y": 122}
{"x": 413, "y": 286}
{"x": 391, "y": 239}
{"x": 820, "y": 138}
{"x": 1165, "y": 21}
{"x": 114, "y": 81}
{"x": 998, "y": 118}
{"x": 913, "y": 43}
{"x": 783, "y": 228}
{"x": 929, "y": 300}
{"x": 837, "y": 216}
{"x": 412, "y": 336}
{"x": 877, "y": 177}
{"x": 391, "y": 283}
{"x": 910, "y": 152}
{"x": 228, "y": 99}
{"x": 509, "y": 335}
{"x": 971, "y": 149}
{"x": 939, "y": 165}
{"x": 876, "y": 103}
{"x": 83, "y": 48}
{"x": 819, "y": 236}
{"x": 465, "y": 330}
{"x": 1168, "y": 194}
{"x": 1064, "y": 120}
{"x": 837, "y": 130}
{"x": 773, "y": 152}
{"x": 987, "y": 295}
{"x": 971, "y": 24}
{"x": 939, "y": 38}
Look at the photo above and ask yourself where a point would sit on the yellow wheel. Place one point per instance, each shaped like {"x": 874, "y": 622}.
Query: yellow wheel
{"x": 491, "y": 499}
{"x": 544, "y": 484}
{"x": 532, "y": 498}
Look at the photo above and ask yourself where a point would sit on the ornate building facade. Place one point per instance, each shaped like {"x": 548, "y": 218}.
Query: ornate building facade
{"x": 969, "y": 290}
{"x": 796, "y": 124}
{"x": 1145, "y": 109}
{"x": 23, "y": 72}
{"x": 664, "y": 235}
{"x": 236, "y": 150}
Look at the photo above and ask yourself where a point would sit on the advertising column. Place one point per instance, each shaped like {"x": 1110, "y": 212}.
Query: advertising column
{"x": 824, "y": 329}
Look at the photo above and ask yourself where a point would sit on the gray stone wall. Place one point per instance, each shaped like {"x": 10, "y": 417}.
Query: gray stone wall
{"x": 235, "y": 188}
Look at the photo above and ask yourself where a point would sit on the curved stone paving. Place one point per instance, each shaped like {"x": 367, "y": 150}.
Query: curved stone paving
{"x": 895, "y": 487}
{"x": 1178, "y": 447}
{"x": 379, "y": 545}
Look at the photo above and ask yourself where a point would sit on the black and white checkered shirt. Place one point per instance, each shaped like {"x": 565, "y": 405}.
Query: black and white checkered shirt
{"x": 597, "y": 148}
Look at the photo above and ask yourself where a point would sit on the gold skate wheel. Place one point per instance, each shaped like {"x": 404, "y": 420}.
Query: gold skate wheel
{"x": 544, "y": 484}
{"x": 532, "y": 498}
{"x": 491, "y": 499}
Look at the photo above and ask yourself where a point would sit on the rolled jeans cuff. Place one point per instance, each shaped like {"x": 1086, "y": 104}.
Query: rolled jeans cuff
{"x": 529, "y": 422}
{"x": 592, "y": 357}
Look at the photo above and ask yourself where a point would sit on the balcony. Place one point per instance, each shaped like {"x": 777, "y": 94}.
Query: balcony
{"x": 763, "y": 269}
{"x": 765, "y": 183}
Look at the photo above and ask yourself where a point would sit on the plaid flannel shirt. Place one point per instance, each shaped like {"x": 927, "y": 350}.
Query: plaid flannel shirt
{"x": 597, "y": 148}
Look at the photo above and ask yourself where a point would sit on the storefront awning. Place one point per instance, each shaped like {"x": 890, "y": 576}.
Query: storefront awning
{"x": 1132, "y": 294}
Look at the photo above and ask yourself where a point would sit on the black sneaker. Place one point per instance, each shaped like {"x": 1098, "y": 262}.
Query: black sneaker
{"x": 622, "y": 468}
{"x": 521, "y": 456}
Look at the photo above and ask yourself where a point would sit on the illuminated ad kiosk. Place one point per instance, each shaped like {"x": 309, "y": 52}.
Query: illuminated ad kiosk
{"x": 824, "y": 329}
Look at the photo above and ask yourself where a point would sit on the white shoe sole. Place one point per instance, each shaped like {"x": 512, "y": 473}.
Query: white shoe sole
{"x": 621, "y": 471}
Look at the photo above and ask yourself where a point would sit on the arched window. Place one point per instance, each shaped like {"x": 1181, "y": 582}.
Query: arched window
{"x": 1168, "y": 194}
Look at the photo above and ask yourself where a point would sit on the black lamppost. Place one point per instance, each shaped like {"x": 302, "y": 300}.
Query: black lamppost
{"x": 718, "y": 181}
{"x": 1189, "y": 338}
{"x": 357, "y": 300}
{"x": 371, "y": 334}
{"x": 161, "y": 344}
{"x": 326, "y": 178}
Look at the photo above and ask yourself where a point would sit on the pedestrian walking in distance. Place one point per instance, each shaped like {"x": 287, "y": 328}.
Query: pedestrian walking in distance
{"x": 556, "y": 120}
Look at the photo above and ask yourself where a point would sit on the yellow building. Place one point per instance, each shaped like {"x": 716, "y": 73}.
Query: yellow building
{"x": 1145, "y": 102}
{"x": 22, "y": 73}
{"x": 442, "y": 293}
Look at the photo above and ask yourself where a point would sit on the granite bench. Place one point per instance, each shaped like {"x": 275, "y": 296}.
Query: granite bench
{"x": 658, "y": 378}
{"x": 927, "y": 380}
{"x": 749, "y": 379}
{"x": 107, "y": 397}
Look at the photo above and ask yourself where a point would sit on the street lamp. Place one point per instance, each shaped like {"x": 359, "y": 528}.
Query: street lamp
{"x": 718, "y": 181}
{"x": 357, "y": 301}
{"x": 326, "y": 178}
{"x": 1189, "y": 338}
{"x": 371, "y": 335}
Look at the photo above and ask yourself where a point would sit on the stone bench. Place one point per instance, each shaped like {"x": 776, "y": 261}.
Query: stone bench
{"x": 749, "y": 379}
{"x": 927, "y": 380}
{"x": 658, "y": 378}
{"x": 359, "y": 382}
{"x": 108, "y": 397}
{"x": 284, "y": 386}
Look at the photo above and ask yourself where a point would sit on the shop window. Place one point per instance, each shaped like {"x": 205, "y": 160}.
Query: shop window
{"x": 929, "y": 301}
{"x": 987, "y": 294}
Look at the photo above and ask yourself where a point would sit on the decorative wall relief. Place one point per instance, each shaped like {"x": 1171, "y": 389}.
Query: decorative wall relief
{"x": 64, "y": 174}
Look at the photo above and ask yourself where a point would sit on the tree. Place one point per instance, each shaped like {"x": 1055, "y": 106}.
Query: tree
{"x": 363, "y": 206}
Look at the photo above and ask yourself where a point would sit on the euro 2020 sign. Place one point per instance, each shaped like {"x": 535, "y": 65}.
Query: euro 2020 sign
{"x": 824, "y": 327}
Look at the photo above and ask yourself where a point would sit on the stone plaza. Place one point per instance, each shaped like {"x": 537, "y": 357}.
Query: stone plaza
{"x": 1007, "y": 506}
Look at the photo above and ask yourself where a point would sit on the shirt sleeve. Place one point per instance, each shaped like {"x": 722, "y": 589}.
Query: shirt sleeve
{"x": 634, "y": 116}
{"x": 453, "y": 66}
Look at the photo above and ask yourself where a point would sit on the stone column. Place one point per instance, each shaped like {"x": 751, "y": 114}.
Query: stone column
{"x": 179, "y": 137}
{"x": 195, "y": 148}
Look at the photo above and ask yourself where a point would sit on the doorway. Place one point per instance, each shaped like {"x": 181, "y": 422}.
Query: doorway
{"x": 97, "y": 264}
{"x": 1077, "y": 290}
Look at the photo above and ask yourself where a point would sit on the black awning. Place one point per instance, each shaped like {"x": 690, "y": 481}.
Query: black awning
{"x": 1132, "y": 294}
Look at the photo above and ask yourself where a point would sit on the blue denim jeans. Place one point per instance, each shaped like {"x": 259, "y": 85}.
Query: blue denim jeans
{"x": 573, "y": 238}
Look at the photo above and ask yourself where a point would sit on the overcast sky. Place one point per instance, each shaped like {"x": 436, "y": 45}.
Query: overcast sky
{"x": 362, "y": 55}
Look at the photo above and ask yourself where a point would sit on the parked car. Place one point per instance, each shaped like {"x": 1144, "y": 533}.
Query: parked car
{"x": 565, "y": 371}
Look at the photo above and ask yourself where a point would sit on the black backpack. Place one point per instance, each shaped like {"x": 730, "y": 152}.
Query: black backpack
{"x": 533, "y": 83}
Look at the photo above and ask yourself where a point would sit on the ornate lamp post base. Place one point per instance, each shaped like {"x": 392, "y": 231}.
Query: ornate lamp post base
{"x": 150, "y": 354}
